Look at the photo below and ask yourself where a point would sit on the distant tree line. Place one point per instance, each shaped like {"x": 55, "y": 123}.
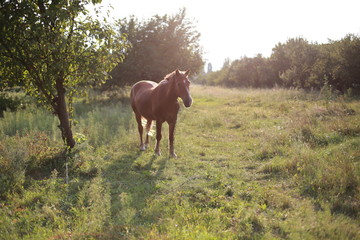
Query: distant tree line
{"x": 296, "y": 63}
{"x": 158, "y": 46}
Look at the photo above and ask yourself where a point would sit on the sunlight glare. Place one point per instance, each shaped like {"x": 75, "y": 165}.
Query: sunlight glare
{"x": 235, "y": 28}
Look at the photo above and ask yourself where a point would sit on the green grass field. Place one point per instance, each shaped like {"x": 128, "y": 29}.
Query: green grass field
{"x": 252, "y": 164}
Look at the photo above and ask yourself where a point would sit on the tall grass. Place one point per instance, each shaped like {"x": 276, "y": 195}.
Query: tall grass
{"x": 30, "y": 119}
{"x": 105, "y": 124}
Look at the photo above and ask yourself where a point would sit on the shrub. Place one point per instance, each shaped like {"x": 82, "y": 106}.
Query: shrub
{"x": 13, "y": 161}
{"x": 8, "y": 103}
{"x": 20, "y": 156}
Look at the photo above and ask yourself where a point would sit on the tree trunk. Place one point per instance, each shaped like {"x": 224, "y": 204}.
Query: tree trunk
{"x": 63, "y": 115}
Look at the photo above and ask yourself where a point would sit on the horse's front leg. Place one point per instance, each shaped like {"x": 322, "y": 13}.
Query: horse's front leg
{"x": 171, "y": 138}
{"x": 158, "y": 137}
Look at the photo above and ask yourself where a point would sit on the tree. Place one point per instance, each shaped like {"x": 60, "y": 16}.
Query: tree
{"x": 345, "y": 58}
{"x": 250, "y": 72}
{"x": 55, "y": 49}
{"x": 158, "y": 46}
{"x": 209, "y": 68}
{"x": 294, "y": 61}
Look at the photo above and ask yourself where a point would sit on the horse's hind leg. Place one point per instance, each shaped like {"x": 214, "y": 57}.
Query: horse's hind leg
{"x": 141, "y": 129}
{"x": 148, "y": 128}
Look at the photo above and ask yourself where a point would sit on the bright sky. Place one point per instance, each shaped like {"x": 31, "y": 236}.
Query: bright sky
{"x": 235, "y": 28}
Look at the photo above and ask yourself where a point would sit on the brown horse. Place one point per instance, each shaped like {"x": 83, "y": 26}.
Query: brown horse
{"x": 159, "y": 102}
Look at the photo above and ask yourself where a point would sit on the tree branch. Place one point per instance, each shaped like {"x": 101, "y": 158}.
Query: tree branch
{"x": 41, "y": 6}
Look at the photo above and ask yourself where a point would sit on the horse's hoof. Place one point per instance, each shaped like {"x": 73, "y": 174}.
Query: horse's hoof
{"x": 158, "y": 154}
{"x": 142, "y": 148}
{"x": 173, "y": 155}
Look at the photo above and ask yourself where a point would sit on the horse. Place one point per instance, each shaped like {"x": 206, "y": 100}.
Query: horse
{"x": 159, "y": 102}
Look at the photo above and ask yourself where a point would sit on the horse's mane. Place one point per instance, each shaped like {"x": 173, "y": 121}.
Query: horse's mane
{"x": 170, "y": 76}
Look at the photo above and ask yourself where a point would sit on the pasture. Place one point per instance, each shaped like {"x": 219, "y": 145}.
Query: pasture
{"x": 252, "y": 164}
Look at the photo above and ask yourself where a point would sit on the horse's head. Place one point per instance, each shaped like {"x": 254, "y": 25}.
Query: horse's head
{"x": 182, "y": 87}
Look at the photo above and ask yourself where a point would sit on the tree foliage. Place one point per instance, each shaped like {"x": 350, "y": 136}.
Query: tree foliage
{"x": 158, "y": 46}
{"x": 248, "y": 72}
{"x": 300, "y": 56}
{"x": 297, "y": 63}
{"x": 54, "y": 49}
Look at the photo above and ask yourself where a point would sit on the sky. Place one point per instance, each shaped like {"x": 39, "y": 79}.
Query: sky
{"x": 237, "y": 28}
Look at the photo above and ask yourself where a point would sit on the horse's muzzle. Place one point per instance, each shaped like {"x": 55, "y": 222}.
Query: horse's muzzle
{"x": 187, "y": 102}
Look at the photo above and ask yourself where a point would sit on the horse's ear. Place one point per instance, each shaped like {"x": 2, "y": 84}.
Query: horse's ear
{"x": 187, "y": 72}
{"x": 177, "y": 73}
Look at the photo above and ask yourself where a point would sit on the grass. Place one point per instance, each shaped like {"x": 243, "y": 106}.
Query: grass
{"x": 253, "y": 164}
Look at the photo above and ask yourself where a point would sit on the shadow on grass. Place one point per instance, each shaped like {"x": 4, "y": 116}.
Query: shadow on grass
{"x": 133, "y": 180}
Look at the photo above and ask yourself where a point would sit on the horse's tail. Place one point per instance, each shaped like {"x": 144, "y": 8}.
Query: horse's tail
{"x": 149, "y": 126}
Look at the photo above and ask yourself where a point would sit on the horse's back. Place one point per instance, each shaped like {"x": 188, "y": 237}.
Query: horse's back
{"x": 140, "y": 96}
{"x": 143, "y": 85}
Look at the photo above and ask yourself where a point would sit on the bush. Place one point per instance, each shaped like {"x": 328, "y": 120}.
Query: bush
{"x": 22, "y": 156}
{"x": 13, "y": 161}
{"x": 8, "y": 103}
